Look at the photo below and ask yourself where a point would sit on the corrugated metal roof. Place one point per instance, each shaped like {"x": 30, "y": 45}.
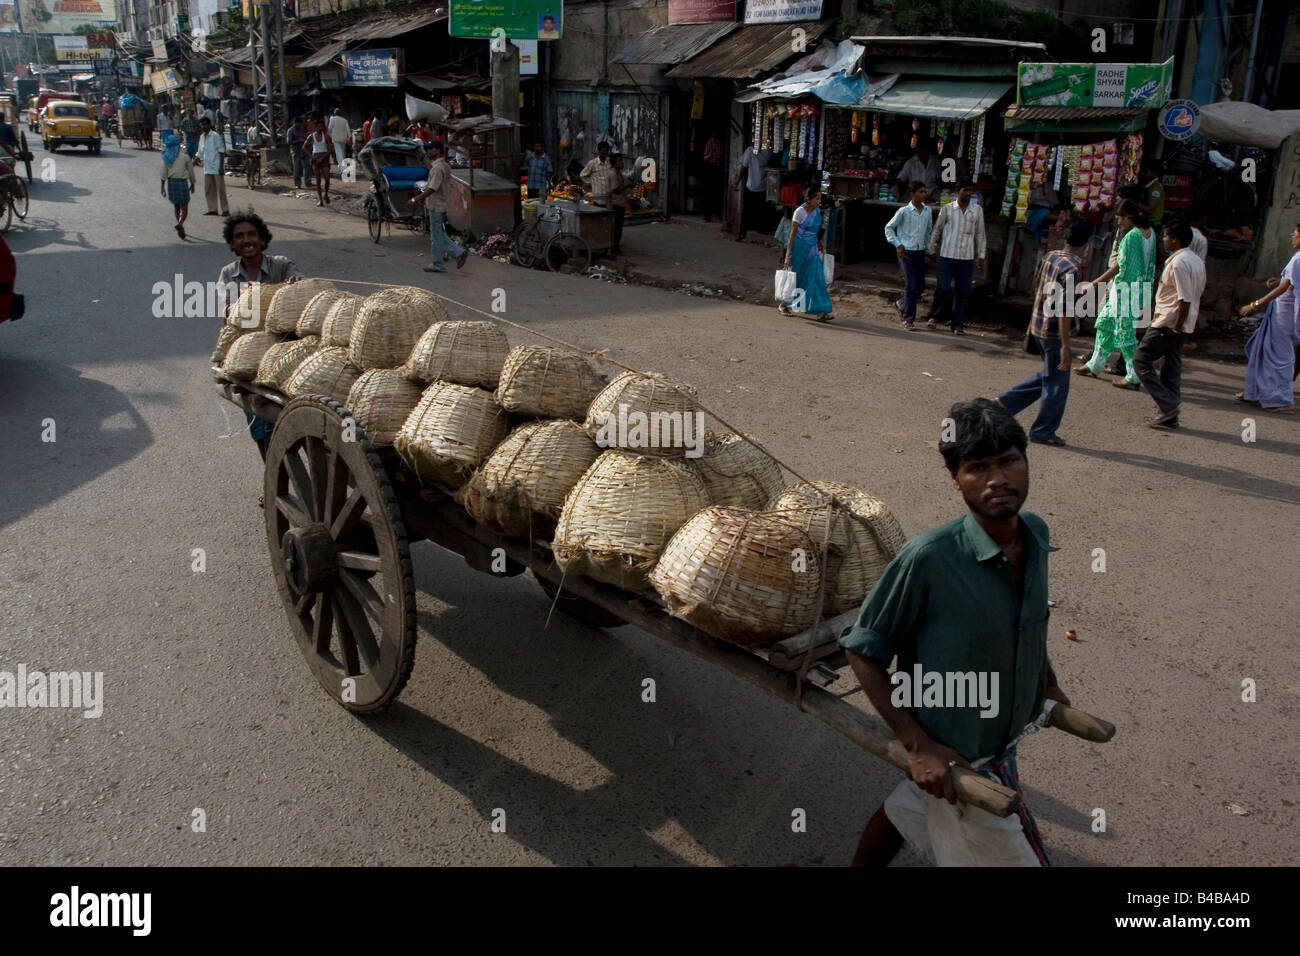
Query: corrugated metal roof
{"x": 673, "y": 43}
{"x": 1068, "y": 112}
{"x": 939, "y": 99}
{"x": 1083, "y": 119}
{"x": 951, "y": 41}
{"x": 748, "y": 51}
{"x": 324, "y": 55}
{"x": 391, "y": 26}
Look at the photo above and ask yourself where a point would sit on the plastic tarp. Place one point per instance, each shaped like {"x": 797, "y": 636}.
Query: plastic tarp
{"x": 1245, "y": 124}
{"x": 965, "y": 99}
{"x": 829, "y": 73}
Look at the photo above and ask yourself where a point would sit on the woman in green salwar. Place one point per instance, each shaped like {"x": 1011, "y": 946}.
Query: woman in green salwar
{"x": 1128, "y": 297}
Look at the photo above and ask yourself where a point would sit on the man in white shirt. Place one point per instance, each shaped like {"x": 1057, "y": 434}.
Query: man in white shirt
{"x": 212, "y": 155}
{"x": 340, "y": 133}
{"x": 165, "y": 120}
{"x": 1200, "y": 245}
{"x": 959, "y": 239}
{"x": 924, "y": 167}
{"x": 753, "y": 176}
{"x": 1178, "y": 299}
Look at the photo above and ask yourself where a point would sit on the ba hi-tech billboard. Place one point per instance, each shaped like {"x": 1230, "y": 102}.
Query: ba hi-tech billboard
{"x": 65, "y": 16}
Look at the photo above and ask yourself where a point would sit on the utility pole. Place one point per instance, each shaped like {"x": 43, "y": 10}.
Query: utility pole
{"x": 505, "y": 105}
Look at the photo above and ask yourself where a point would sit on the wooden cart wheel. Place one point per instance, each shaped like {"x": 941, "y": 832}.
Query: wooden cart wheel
{"x": 27, "y": 154}
{"x": 580, "y": 609}
{"x": 339, "y": 554}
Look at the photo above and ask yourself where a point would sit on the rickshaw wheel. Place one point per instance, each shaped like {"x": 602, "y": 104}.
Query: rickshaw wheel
{"x": 564, "y": 248}
{"x": 18, "y": 197}
{"x": 339, "y": 554}
{"x": 373, "y": 222}
{"x": 6, "y": 215}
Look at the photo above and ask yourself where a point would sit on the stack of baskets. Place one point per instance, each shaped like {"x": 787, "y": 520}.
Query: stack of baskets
{"x": 261, "y": 341}
{"x": 450, "y": 431}
{"x": 389, "y": 323}
{"x": 547, "y": 383}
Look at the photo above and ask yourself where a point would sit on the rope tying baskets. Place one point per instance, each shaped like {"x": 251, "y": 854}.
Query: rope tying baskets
{"x": 327, "y": 372}
{"x": 289, "y": 301}
{"x": 865, "y": 538}
{"x": 622, "y": 512}
{"x": 389, "y": 323}
{"x": 381, "y": 400}
{"x": 248, "y": 311}
{"x": 520, "y": 490}
{"x": 737, "y": 472}
{"x": 749, "y": 577}
{"x": 467, "y": 353}
{"x": 282, "y": 358}
{"x": 450, "y": 431}
{"x": 225, "y": 338}
{"x": 547, "y": 382}
{"x": 337, "y": 327}
{"x": 647, "y": 414}
{"x": 313, "y": 315}
{"x": 246, "y": 353}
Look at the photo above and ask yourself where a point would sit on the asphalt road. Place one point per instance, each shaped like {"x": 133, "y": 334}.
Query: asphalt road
{"x": 207, "y": 703}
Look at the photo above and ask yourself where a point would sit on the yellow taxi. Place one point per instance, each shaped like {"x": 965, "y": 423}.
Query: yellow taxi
{"x": 68, "y": 123}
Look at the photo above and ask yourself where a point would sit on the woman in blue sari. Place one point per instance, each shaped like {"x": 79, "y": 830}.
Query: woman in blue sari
{"x": 803, "y": 254}
{"x": 1270, "y": 353}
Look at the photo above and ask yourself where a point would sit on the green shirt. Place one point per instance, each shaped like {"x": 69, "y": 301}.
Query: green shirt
{"x": 949, "y": 603}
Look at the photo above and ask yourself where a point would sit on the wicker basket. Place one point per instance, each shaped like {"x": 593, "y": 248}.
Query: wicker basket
{"x": 622, "y": 512}
{"x": 736, "y": 574}
{"x": 648, "y": 415}
{"x": 326, "y": 372}
{"x": 450, "y": 431}
{"x": 467, "y": 353}
{"x": 248, "y": 311}
{"x": 282, "y": 359}
{"x": 288, "y": 303}
{"x": 313, "y": 315}
{"x": 246, "y": 353}
{"x": 866, "y": 540}
{"x": 225, "y": 338}
{"x": 519, "y": 491}
{"x": 336, "y": 329}
{"x": 380, "y": 400}
{"x": 389, "y": 323}
{"x": 548, "y": 382}
{"x": 737, "y": 472}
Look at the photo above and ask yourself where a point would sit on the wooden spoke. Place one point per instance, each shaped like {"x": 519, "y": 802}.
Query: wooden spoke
{"x": 349, "y": 513}
{"x": 336, "y": 487}
{"x": 357, "y": 633}
{"x": 347, "y": 643}
{"x": 360, "y": 561}
{"x": 317, "y": 457}
{"x": 298, "y": 476}
{"x": 322, "y": 623}
{"x": 293, "y": 511}
{"x": 365, "y": 594}
{"x": 302, "y": 604}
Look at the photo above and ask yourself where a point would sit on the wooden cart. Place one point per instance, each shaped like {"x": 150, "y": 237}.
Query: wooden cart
{"x": 133, "y": 124}
{"x": 341, "y": 516}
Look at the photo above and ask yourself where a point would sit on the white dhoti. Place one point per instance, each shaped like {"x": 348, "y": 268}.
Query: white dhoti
{"x": 959, "y": 835}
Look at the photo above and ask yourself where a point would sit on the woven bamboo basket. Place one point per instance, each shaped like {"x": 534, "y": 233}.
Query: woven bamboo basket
{"x": 325, "y": 372}
{"x": 450, "y": 431}
{"x": 289, "y": 301}
{"x": 389, "y": 323}
{"x": 467, "y": 353}
{"x": 225, "y": 338}
{"x": 548, "y": 382}
{"x": 380, "y": 400}
{"x": 662, "y": 416}
{"x": 865, "y": 540}
{"x": 520, "y": 489}
{"x": 622, "y": 512}
{"x": 246, "y": 352}
{"x": 737, "y": 472}
{"x": 313, "y": 315}
{"x": 735, "y": 574}
{"x": 248, "y": 311}
{"x": 336, "y": 329}
{"x": 281, "y": 359}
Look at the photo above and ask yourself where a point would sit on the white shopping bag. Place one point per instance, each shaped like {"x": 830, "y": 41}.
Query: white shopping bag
{"x": 786, "y": 282}
{"x": 828, "y": 267}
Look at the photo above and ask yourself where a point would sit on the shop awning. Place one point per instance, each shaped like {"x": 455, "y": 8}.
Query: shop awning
{"x": 748, "y": 51}
{"x": 939, "y": 99}
{"x": 325, "y": 55}
{"x": 831, "y": 74}
{"x": 1245, "y": 124}
{"x": 674, "y": 43}
{"x": 1073, "y": 119}
{"x": 391, "y": 26}
{"x": 450, "y": 82}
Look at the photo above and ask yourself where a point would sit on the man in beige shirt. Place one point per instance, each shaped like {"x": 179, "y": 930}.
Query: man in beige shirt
{"x": 1178, "y": 299}
{"x": 435, "y": 196}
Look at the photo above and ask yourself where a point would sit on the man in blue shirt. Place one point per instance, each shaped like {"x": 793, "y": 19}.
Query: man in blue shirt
{"x": 538, "y": 165}
{"x": 909, "y": 233}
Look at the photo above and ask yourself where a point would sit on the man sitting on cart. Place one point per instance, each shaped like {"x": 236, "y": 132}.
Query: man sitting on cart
{"x": 248, "y": 236}
{"x": 965, "y": 601}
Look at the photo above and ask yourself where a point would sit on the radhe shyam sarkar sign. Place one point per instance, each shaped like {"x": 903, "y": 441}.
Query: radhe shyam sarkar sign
{"x": 64, "y": 16}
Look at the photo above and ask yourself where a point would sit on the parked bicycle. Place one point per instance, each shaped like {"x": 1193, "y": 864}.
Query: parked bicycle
{"x": 13, "y": 194}
{"x": 545, "y": 239}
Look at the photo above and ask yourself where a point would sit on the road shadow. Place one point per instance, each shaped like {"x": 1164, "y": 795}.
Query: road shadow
{"x": 1229, "y": 479}
{"x": 94, "y": 426}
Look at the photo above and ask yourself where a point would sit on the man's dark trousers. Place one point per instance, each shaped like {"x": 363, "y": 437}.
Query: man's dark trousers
{"x": 1164, "y": 386}
{"x": 1051, "y": 386}
{"x": 913, "y": 265}
{"x": 953, "y": 277}
{"x": 751, "y": 210}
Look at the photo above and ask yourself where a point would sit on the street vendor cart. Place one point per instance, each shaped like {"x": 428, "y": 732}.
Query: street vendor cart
{"x": 341, "y": 515}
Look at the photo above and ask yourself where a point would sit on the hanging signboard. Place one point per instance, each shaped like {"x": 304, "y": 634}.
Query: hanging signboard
{"x": 527, "y": 57}
{"x": 164, "y": 80}
{"x": 72, "y": 50}
{"x": 65, "y": 16}
{"x": 1112, "y": 85}
{"x": 517, "y": 20}
{"x": 372, "y": 67}
{"x": 782, "y": 11}
{"x": 8, "y": 16}
{"x": 701, "y": 11}
{"x": 1179, "y": 120}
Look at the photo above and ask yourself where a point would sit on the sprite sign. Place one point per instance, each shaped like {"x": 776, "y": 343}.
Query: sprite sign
{"x": 515, "y": 19}
{"x": 1116, "y": 85}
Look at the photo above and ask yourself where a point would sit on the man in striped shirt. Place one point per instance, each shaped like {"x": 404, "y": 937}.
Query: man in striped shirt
{"x": 598, "y": 175}
{"x": 909, "y": 233}
{"x": 958, "y": 237}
